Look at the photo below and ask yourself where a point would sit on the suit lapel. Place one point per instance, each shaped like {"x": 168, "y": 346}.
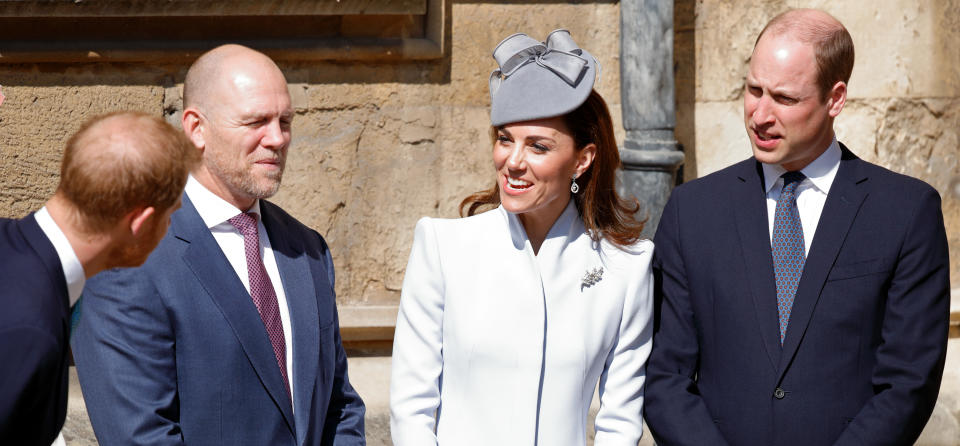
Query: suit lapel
{"x": 218, "y": 278}
{"x": 844, "y": 200}
{"x": 752, "y": 227}
{"x": 298, "y": 285}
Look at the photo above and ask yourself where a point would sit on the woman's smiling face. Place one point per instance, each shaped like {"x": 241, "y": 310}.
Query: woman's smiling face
{"x": 535, "y": 161}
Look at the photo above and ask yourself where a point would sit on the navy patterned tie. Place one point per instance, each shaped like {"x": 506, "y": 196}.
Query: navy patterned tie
{"x": 261, "y": 289}
{"x": 788, "y": 249}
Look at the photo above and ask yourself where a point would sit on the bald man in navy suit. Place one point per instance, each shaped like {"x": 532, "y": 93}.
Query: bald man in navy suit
{"x": 229, "y": 333}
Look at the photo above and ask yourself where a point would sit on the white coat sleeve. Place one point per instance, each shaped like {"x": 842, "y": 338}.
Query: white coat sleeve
{"x": 417, "y": 355}
{"x": 620, "y": 418}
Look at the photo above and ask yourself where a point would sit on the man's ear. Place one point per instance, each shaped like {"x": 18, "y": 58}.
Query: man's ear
{"x": 137, "y": 218}
{"x": 836, "y": 98}
{"x": 585, "y": 158}
{"x": 193, "y": 126}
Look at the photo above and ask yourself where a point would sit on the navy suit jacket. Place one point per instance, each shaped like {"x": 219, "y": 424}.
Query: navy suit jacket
{"x": 864, "y": 350}
{"x": 174, "y": 352}
{"x": 34, "y": 322}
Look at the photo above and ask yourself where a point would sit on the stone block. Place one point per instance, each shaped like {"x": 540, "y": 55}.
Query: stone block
{"x": 726, "y": 32}
{"x": 36, "y": 122}
{"x": 721, "y": 139}
{"x": 77, "y": 430}
{"x": 943, "y": 429}
{"x": 903, "y": 48}
{"x": 857, "y": 126}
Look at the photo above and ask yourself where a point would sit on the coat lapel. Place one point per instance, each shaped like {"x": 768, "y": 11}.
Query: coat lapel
{"x": 205, "y": 258}
{"x": 298, "y": 285}
{"x": 752, "y": 227}
{"x": 843, "y": 202}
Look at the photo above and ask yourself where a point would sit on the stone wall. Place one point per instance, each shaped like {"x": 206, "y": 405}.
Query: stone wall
{"x": 378, "y": 145}
{"x": 375, "y": 145}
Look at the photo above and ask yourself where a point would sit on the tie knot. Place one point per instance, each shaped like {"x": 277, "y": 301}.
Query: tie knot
{"x": 792, "y": 179}
{"x": 245, "y": 222}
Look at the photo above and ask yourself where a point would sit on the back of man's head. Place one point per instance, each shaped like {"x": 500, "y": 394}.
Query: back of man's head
{"x": 120, "y": 162}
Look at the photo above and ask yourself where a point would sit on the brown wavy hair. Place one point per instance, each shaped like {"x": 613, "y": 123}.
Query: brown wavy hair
{"x": 604, "y": 212}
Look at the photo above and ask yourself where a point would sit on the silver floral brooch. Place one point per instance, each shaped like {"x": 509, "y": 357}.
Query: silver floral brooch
{"x": 591, "y": 277}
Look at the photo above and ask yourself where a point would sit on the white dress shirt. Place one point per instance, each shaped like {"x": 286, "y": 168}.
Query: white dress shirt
{"x": 72, "y": 269}
{"x": 216, "y": 212}
{"x": 811, "y": 193}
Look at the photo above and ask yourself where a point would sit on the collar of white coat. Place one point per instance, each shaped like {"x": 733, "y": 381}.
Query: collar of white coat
{"x": 820, "y": 172}
{"x": 568, "y": 226}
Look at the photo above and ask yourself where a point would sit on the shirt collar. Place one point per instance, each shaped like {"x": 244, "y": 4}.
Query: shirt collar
{"x": 212, "y": 209}
{"x": 72, "y": 268}
{"x": 820, "y": 172}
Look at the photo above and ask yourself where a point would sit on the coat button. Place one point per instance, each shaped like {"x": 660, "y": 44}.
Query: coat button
{"x": 779, "y": 393}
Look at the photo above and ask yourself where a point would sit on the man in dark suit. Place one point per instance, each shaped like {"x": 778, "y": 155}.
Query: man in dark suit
{"x": 803, "y": 293}
{"x": 228, "y": 334}
{"x": 121, "y": 178}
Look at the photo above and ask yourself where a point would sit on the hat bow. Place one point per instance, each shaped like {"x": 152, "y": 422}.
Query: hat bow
{"x": 559, "y": 54}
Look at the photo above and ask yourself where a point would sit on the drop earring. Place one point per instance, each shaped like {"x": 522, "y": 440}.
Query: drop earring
{"x": 574, "y": 188}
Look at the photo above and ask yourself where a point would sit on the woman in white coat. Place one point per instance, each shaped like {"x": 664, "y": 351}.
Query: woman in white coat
{"x": 511, "y": 317}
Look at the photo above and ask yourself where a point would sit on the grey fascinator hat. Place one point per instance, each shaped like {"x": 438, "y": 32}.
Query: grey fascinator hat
{"x": 539, "y": 79}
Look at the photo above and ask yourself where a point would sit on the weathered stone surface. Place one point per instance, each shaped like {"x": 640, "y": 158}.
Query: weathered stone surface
{"x": 904, "y": 48}
{"x": 857, "y": 127}
{"x": 35, "y": 123}
{"x": 943, "y": 429}
{"x": 76, "y": 429}
{"x": 726, "y": 32}
{"x": 376, "y": 146}
{"x": 721, "y": 139}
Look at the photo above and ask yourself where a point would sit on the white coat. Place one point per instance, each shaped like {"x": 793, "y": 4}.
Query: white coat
{"x": 497, "y": 346}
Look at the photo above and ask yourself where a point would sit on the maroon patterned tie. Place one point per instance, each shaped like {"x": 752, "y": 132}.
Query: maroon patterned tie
{"x": 261, "y": 289}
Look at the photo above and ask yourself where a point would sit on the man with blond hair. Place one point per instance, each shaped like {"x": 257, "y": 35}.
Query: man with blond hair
{"x": 228, "y": 334}
{"x": 803, "y": 293}
{"x": 120, "y": 180}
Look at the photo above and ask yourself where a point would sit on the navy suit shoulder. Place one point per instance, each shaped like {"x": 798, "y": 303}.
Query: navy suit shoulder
{"x": 714, "y": 189}
{"x": 893, "y": 183}
{"x": 33, "y": 335}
